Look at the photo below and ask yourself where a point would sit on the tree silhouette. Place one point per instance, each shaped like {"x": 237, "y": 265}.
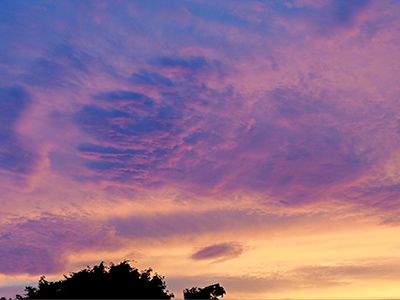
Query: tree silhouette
{"x": 115, "y": 282}
{"x": 209, "y": 292}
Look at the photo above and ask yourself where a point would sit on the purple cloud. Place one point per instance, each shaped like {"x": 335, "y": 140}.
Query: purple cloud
{"x": 144, "y": 77}
{"x": 221, "y": 251}
{"x": 264, "y": 113}
{"x": 40, "y": 246}
{"x": 15, "y": 156}
{"x": 124, "y": 95}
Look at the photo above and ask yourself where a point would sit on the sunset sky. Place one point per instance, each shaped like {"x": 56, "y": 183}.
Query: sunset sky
{"x": 251, "y": 143}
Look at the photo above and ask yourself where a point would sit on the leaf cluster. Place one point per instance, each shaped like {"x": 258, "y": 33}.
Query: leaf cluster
{"x": 115, "y": 282}
{"x": 209, "y": 292}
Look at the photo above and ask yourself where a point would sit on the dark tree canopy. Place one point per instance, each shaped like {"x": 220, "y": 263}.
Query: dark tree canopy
{"x": 209, "y": 292}
{"x": 115, "y": 282}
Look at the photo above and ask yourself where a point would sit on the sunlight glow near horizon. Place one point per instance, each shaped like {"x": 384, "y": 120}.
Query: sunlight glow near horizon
{"x": 255, "y": 144}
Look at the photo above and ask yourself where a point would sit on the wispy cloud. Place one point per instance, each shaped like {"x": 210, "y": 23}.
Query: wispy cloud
{"x": 175, "y": 122}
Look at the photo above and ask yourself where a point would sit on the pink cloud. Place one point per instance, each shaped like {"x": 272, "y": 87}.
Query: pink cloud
{"x": 260, "y": 114}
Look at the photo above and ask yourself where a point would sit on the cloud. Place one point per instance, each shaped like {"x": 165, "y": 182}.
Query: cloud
{"x": 62, "y": 66}
{"x": 15, "y": 154}
{"x": 222, "y": 251}
{"x": 344, "y": 273}
{"x": 297, "y": 145}
{"x": 124, "y": 95}
{"x": 185, "y": 69}
{"x": 187, "y": 223}
{"x": 29, "y": 259}
{"x": 165, "y": 125}
{"x": 288, "y": 106}
{"x": 345, "y": 11}
{"x": 13, "y": 101}
{"x": 18, "y": 160}
{"x": 318, "y": 18}
{"x": 144, "y": 77}
{"x": 93, "y": 115}
{"x": 98, "y": 149}
{"x": 165, "y": 225}
{"x": 193, "y": 63}
{"x": 41, "y": 246}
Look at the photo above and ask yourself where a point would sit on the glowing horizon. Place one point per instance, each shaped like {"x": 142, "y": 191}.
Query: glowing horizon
{"x": 254, "y": 144}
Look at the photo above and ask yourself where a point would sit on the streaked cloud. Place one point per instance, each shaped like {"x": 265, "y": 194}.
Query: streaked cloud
{"x": 208, "y": 134}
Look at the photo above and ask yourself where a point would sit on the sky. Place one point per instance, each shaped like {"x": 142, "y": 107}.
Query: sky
{"x": 251, "y": 143}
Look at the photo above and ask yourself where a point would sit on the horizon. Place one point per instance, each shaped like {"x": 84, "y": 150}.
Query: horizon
{"x": 251, "y": 143}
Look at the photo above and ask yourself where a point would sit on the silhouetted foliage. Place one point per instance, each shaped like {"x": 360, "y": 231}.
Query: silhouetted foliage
{"x": 209, "y": 292}
{"x": 115, "y": 282}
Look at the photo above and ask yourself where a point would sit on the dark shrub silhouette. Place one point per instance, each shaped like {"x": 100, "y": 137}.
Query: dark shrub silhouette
{"x": 209, "y": 292}
{"x": 115, "y": 282}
